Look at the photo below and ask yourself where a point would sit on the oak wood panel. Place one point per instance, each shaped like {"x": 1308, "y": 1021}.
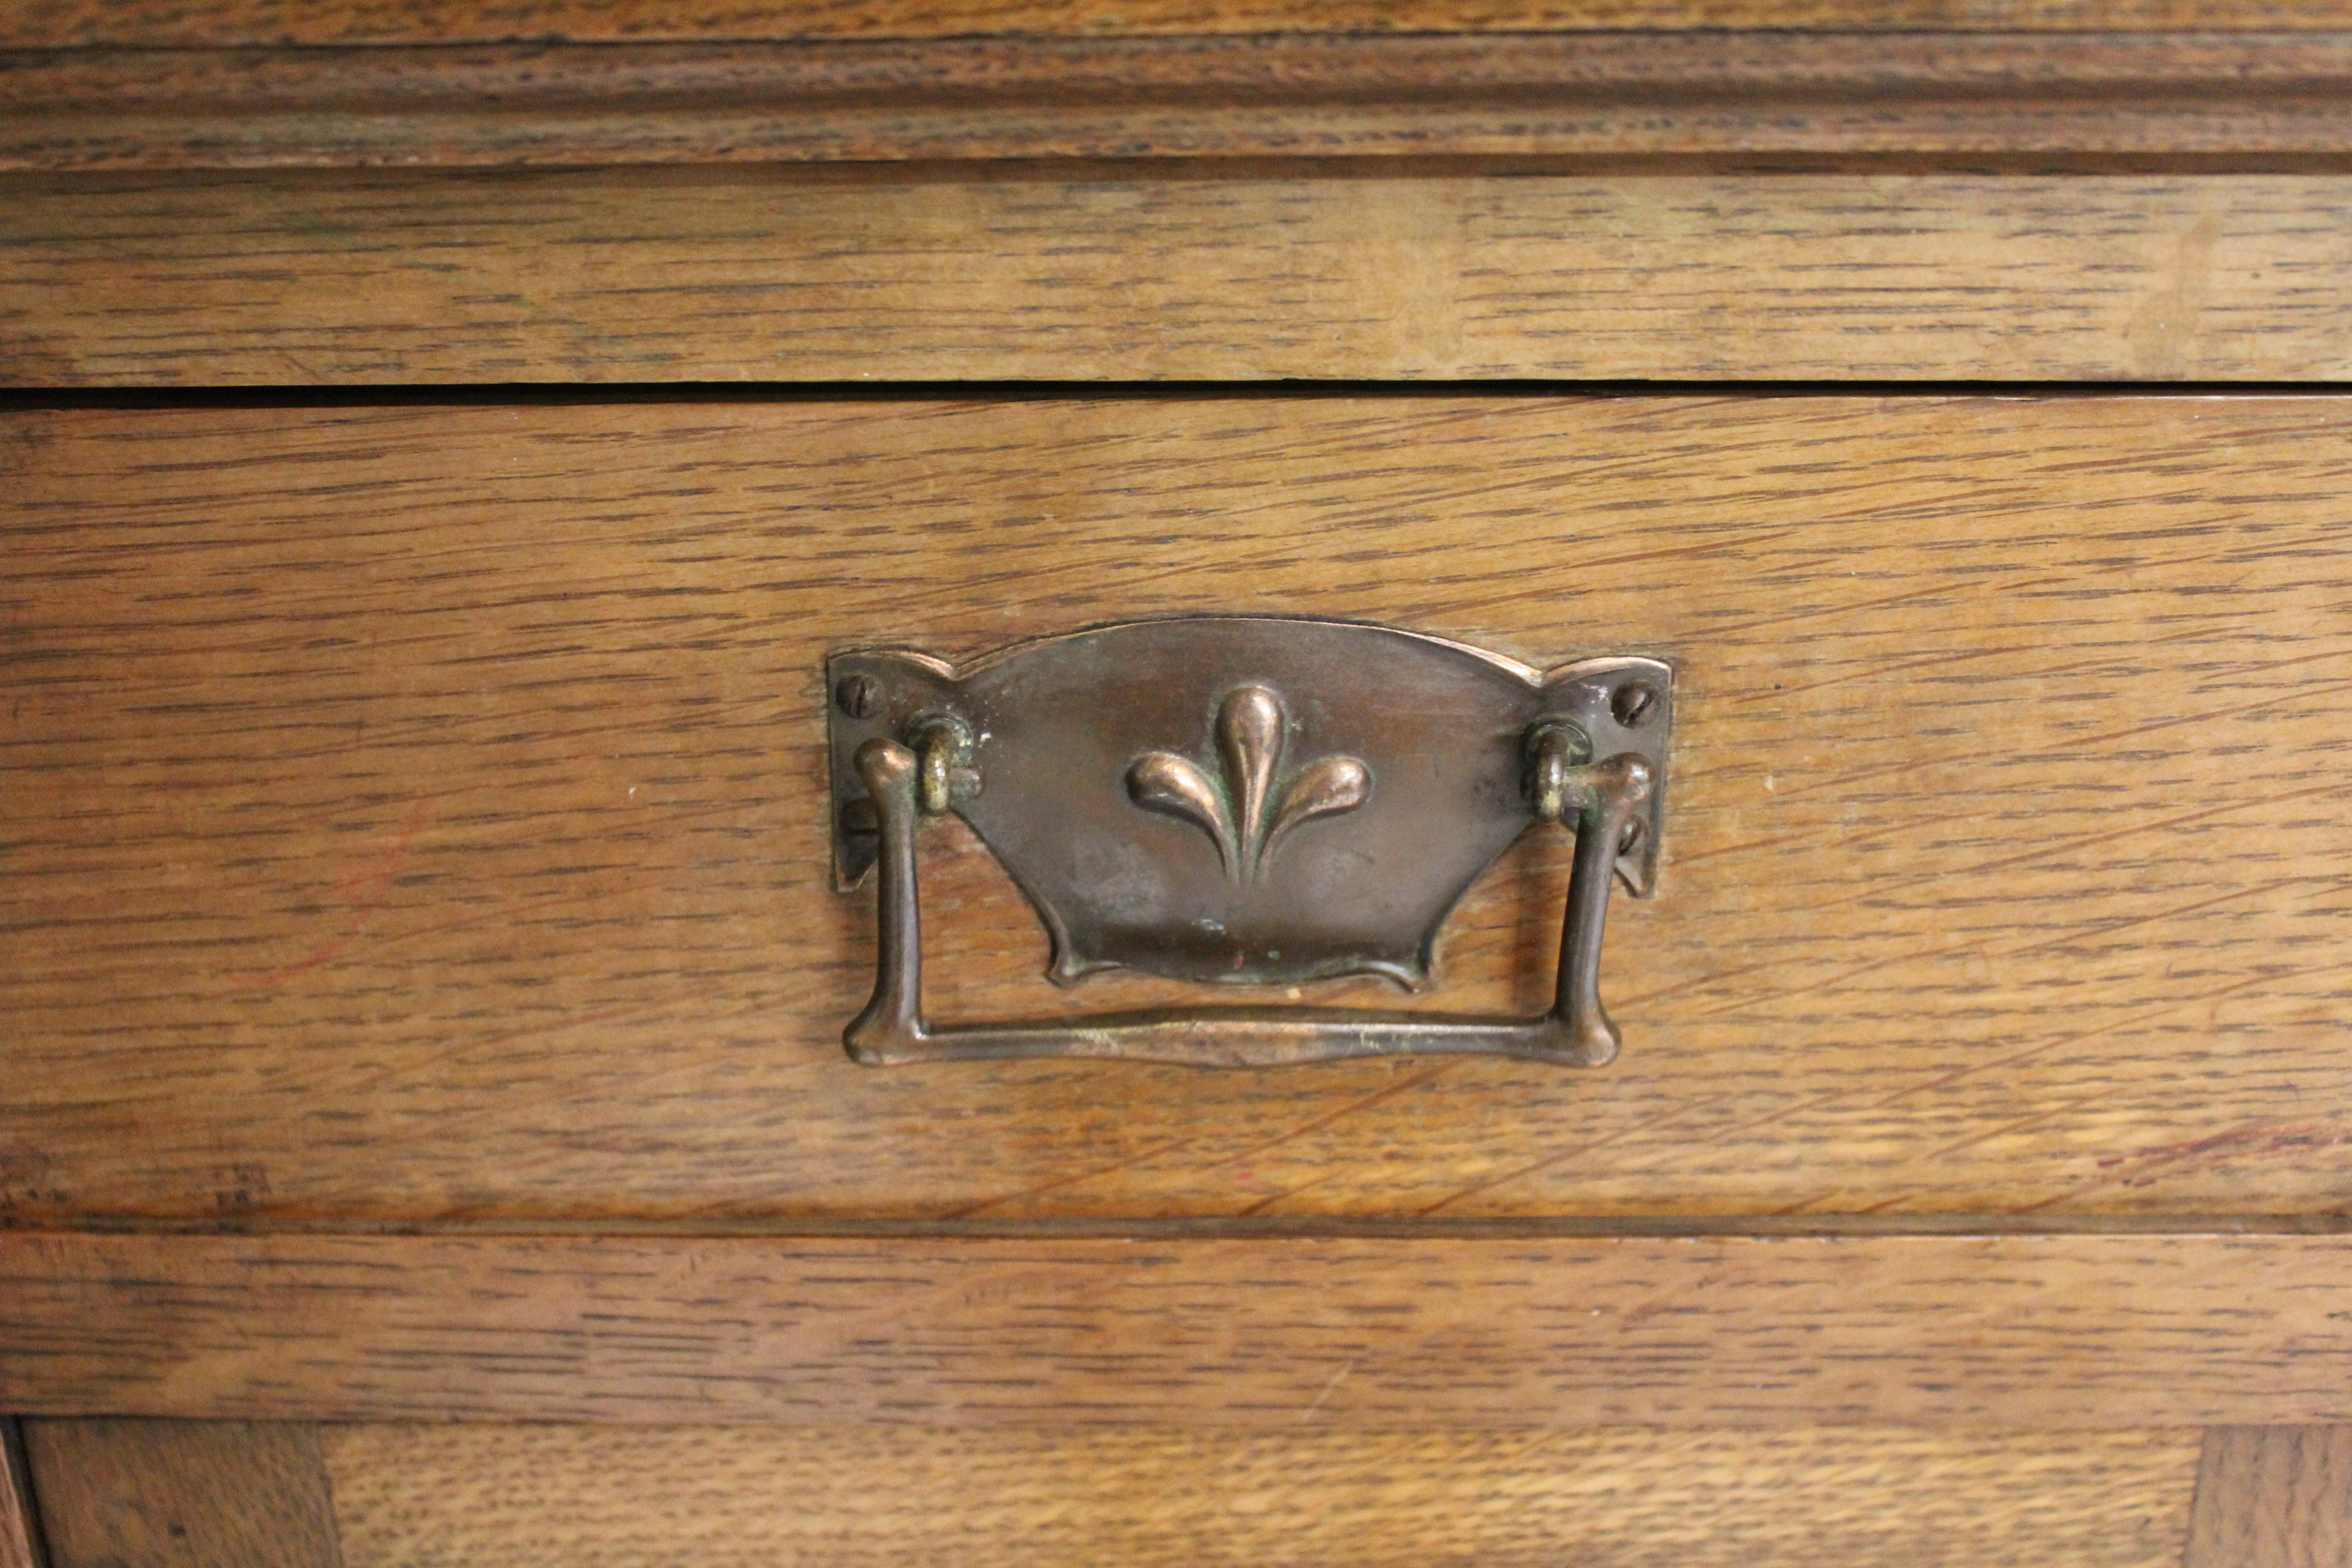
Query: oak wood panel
{"x": 1116, "y": 272}
{"x": 76, "y": 24}
{"x": 2025, "y": 1331}
{"x": 20, "y": 1534}
{"x": 419, "y": 813}
{"x": 182, "y": 1494}
{"x": 1649, "y": 93}
{"x": 551, "y": 1497}
{"x": 2273, "y": 1497}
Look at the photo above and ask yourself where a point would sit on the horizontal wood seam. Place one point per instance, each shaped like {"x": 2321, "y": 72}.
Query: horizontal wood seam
{"x": 1359, "y": 1227}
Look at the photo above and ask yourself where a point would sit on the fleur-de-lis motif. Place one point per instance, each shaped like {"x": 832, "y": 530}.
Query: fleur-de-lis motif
{"x": 1249, "y": 727}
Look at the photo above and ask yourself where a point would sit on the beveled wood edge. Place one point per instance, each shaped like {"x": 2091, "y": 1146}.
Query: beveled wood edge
{"x": 136, "y": 1493}
{"x": 20, "y": 1543}
{"x": 1611, "y": 94}
{"x": 2083, "y": 1331}
{"x": 2272, "y": 1497}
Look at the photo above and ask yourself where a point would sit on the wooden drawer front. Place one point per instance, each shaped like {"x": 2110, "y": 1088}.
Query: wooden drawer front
{"x": 291, "y": 1495}
{"x": 523, "y": 1497}
{"x": 418, "y": 812}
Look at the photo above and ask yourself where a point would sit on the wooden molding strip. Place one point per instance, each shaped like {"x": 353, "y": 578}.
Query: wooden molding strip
{"x": 1116, "y": 271}
{"x": 164, "y": 23}
{"x": 1749, "y": 94}
{"x": 2090, "y": 1330}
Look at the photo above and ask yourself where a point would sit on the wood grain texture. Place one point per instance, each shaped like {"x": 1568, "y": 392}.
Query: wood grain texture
{"x": 2273, "y": 1497}
{"x": 80, "y": 24}
{"x": 182, "y": 1494}
{"x": 543, "y": 1496}
{"x": 20, "y": 1544}
{"x": 2030, "y": 1330}
{"x": 419, "y": 813}
{"x": 1748, "y": 94}
{"x": 1119, "y": 272}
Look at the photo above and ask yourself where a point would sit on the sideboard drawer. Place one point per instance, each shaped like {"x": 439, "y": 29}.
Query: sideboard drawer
{"x": 417, "y": 814}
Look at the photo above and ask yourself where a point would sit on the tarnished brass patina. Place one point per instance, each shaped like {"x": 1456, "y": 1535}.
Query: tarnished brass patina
{"x": 1245, "y": 800}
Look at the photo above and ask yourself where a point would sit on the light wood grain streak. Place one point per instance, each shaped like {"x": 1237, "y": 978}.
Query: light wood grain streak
{"x": 2273, "y": 1497}
{"x": 1118, "y": 272}
{"x": 2088, "y": 1332}
{"x": 1612, "y": 93}
{"x": 20, "y": 1544}
{"x": 417, "y": 812}
{"x": 182, "y": 1494}
{"x": 545, "y": 1497}
{"x": 66, "y": 24}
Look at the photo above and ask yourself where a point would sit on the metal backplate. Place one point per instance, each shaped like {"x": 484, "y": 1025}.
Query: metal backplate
{"x": 1241, "y": 800}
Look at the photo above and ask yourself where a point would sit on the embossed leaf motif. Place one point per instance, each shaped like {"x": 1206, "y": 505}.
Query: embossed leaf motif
{"x": 1234, "y": 814}
{"x": 1164, "y": 781}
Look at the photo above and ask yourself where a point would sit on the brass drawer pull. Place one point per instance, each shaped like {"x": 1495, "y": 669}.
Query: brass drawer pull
{"x": 1245, "y": 800}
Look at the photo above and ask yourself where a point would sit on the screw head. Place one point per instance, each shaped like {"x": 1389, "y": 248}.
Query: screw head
{"x": 859, "y": 696}
{"x": 1634, "y": 702}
